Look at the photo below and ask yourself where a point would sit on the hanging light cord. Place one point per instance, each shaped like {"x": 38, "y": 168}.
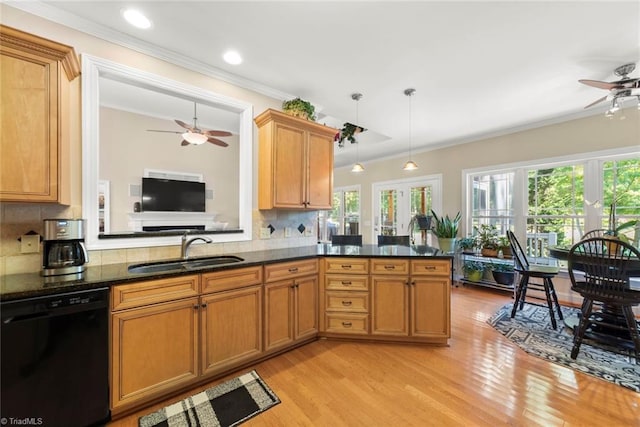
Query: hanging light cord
{"x": 409, "y": 93}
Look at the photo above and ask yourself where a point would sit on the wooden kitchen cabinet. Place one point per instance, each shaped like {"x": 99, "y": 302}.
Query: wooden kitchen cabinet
{"x": 411, "y": 299}
{"x": 290, "y": 303}
{"x": 345, "y": 296}
{"x": 231, "y": 318}
{"x": 295, "y": 162}
{"x": 154, "y": 346}
{"x": 35, "y": 114}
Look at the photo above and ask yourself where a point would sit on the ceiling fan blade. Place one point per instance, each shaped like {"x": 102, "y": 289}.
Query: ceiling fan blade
{"x": 596, "y": 102}
{"x": 216, "y": 133}
{"x": 184, "y": 143}
{"x": 184, "y": 125}
{"x": 218, "y": 142}
{"x": 166, "y": 131}
{"x": 599, "y": 84}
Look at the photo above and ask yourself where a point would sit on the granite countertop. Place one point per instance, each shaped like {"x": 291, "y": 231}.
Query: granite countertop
{"x": 26, "y": 285}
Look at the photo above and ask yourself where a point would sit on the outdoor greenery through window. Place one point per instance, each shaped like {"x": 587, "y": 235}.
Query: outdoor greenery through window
{"x": 344, "y": 217}
{"x": 559, "y": 202}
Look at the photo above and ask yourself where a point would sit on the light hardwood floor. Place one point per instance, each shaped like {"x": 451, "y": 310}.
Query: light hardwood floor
{"x": 481, "y": 379}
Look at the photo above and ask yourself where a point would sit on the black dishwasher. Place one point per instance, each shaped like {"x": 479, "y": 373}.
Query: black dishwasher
{"x": 55, "y": 360}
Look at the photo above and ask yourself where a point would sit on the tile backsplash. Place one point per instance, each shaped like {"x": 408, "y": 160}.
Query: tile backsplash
{"x": 20, "y": 218}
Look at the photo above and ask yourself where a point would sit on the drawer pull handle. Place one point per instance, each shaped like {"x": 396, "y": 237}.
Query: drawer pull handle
{"x": 346, "y": 282}
{"x": 346, "y": 266}
{"x": 346, "y": 324}
{"x": 389, "y": 267}
{"x": 429, "y": 267}
{"x": 293, "y": 270}
{"x": 347, "y": 303}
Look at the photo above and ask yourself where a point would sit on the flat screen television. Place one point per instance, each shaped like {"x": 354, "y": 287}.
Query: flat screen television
{"x": 168, "y": 195}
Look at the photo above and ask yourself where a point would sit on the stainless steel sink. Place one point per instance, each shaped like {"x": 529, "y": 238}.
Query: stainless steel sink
{"x": 183, "y": 265}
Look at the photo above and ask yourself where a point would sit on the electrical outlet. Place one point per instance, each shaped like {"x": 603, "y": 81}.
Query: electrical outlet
{"x": 29, "y": 243}
{"x": 287, "y": 232}
{"x": 265, "y": 233}
{"x": 308, "y": 232}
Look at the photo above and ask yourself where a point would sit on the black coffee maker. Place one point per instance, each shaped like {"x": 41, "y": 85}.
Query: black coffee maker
{"x": 64, "y": 251}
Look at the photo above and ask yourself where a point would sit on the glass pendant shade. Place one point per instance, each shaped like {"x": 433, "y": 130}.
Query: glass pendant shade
{"x": 410, "y": 166}
{"x": 194, "y": 138}
{"x": 357, "y": 168}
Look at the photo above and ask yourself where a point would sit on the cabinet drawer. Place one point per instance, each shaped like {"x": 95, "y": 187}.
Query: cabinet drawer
{"x": 389, "y": 266}
{"x": 231, "y": 279}
{"x": 285, "y": 270}
{"x": 434, "y": 267}
{"x": 346, "y": 283}
{"x": 346, "y": 265}
{"x": 354, "y": 324}
{"x": 153, "y": 291}
{"x": 355, "y": 302}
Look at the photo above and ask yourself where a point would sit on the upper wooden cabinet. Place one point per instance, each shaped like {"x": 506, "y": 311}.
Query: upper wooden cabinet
{"x": 295, "y": 162}
{"x": 34, "y": 118}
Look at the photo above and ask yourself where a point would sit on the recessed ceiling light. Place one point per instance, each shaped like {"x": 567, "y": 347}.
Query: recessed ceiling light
{"x": 232, "y": 57}
{"x": 136, "y": 18}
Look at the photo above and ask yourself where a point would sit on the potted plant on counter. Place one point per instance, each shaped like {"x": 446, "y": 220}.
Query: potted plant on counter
{"x": 446, "y": 230}
{"x": 473, "y": 270}
{"x": 505, "y": 246}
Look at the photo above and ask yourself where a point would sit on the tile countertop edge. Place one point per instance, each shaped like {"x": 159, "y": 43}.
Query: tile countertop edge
{"x": 28, "y": 285}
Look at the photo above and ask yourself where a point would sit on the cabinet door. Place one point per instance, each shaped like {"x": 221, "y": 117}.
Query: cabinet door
{"x": 278, "y": 315}
{"x": 430, "y": 300}
{"x": 289, "y": 167}
{"x": 320, "y": 171}
{"x": 390, "y": 302}
{"x": 29, "y": 148}
{"x": 231, "y": 328}
{"x": 306, "y": 316}
{"x": 154, "y": 350}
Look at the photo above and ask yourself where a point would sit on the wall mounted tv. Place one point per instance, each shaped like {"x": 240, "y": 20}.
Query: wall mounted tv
{"x": 168, "y": 195}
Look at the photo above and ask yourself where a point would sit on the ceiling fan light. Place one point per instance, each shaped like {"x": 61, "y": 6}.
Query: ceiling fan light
{"x": 194, "y": 138}
{"x": 410, "y": 166}
{"x": 357, "y": 167}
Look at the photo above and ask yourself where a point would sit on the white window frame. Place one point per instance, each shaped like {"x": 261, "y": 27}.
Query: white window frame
{"x": 593, "y": 183}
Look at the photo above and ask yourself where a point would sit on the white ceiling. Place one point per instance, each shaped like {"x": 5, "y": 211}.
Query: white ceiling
{"x": 479, "y": 68}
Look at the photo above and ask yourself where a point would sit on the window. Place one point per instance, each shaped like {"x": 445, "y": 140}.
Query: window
{"x": 344, "y": 218}
{"x": 556, "y": 202}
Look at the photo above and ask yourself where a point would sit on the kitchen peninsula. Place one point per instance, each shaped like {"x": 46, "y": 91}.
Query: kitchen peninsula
{"x": 173, "y": 329}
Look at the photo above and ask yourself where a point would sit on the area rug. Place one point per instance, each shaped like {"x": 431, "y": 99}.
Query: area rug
{"x": 531, "y": 330}
{"x": 228, "y": 404}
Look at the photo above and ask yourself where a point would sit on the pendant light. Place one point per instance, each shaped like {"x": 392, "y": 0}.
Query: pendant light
{"x": 410, "y": 165}
{"x": 357, "y": 167}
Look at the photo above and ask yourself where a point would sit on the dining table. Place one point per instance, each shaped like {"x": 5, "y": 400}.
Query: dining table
{"x": 618, "y": 337}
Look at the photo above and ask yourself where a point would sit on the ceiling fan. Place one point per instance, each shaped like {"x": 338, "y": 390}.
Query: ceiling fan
{"x": 620, "y": 90}
{"x": 196, "y": 136}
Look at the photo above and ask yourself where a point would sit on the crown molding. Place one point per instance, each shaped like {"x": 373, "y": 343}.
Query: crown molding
{"x": 54, "y": 14}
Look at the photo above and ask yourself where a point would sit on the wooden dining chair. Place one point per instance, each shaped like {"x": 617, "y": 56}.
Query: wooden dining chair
{"x": 599, "y": 232}
{"x": 394, "y": 240}
{"x": 600, "y": 271}
{"x": 527, "y": 272}
{"x": 346, "y": 239}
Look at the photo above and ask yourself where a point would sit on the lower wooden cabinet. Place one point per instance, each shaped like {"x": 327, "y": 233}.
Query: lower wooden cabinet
{"x": 290, "y": 304}
{"x": 154, "y": 350}
{"x": 231, "y": 328}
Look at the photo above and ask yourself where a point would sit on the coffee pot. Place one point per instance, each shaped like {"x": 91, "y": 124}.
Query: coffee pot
{"x": 64, "y": 251}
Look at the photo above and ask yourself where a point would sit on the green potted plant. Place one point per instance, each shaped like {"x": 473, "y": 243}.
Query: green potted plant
{"x": 503, "y": 273}
{"x": 467, "y": 245}
{"x": 488, "y": 242}
{"x": 473, "y": 270}
{"x": 446, "y": 230}
{"x": 348, "y": 132}
{"x": 299, "y": 108}
{"x": 505, "y": 247}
